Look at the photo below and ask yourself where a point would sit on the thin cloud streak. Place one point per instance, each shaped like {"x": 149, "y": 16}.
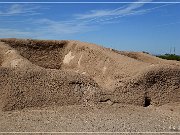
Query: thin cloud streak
{"x": 139, "y": 12}
{"x": 19, "y": 9}
{"x": 106, "y": 13}
{"x": 62, "y": 27}
{"x": 14, "y": 33}
{"x": 44, "y": 27}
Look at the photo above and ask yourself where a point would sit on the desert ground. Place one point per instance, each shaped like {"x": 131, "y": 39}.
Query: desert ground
{"x": 82, "y": 88}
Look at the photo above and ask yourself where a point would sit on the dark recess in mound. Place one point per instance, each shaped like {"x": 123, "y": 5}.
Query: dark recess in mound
{"x": 147, "y": 101}
{"x": 0, "y": 60}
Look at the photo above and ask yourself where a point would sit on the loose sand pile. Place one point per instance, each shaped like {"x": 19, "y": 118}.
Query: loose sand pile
{"x": 38, "y": 73}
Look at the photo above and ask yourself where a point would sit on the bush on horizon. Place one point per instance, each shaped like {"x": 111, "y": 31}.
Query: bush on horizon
{"x": 169, "y": 57}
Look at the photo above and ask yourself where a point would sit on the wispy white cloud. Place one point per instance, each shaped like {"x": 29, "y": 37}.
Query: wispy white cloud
{"x": 131, "y": 8}
{"x": 62, "y": 27}
{"x": 78, "y": 23}
{"x": 14, "y": 33}
{"x": 19, "y": 9}
{"x": 47, "y": 28}
{"x": 138, "y": 12}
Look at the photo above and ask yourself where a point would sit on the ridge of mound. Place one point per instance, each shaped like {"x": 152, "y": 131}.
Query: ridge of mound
{"x": 45, "y": 69}
{"x": 91, "y": 60}
{"x": 144, "y": 57}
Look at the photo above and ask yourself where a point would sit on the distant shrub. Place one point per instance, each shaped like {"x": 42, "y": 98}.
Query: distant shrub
{"x": 145, "y": 52}
{"x": 170, "y": 57}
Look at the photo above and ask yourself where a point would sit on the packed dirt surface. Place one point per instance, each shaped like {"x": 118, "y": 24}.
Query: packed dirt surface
{"x": 104, "y": 118}
{"x": 71, "y": 74}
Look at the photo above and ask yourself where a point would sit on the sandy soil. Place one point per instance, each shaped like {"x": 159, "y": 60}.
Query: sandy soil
{"x": 100, "y": 118}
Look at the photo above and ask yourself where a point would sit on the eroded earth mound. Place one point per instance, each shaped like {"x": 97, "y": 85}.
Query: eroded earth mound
{"x": 39, "y": 73}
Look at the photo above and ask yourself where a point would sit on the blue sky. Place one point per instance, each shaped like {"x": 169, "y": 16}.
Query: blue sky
{"x": 125, "y": 26}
